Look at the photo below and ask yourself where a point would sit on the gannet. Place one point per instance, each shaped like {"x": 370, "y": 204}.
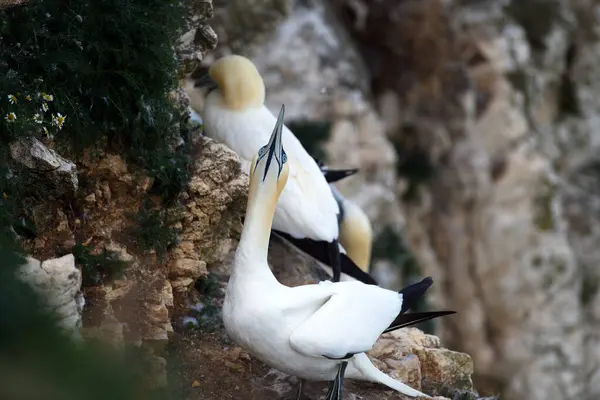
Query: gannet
{"x": 316, "y": 332}
{"x": 355, "y": 237}
{"x": 356, "y": 234}
{"x": 234, "y": 113}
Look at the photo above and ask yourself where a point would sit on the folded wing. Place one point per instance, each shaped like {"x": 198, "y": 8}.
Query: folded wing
{"x": 349, "y": 322}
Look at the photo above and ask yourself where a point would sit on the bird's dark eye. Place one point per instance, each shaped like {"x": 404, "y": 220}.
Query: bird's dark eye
{"x": 262, "y": 151}
{"x": 283, "y": 158}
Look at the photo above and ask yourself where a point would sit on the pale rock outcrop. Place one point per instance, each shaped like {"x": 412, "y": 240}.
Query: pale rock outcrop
{"x": 44, "y": 170}
{"x": 58, "y": 282}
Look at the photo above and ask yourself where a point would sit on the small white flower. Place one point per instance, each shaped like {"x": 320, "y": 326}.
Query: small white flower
{"x": 11, "y": 117}
{"x": 45, "y": 130}
{"x": 47, "y": 97}
{"x": 58, "y": 120}
{"x": 12, "y": 99}
{"x": 37, "y": 118}
{"x": 44, "y": 107}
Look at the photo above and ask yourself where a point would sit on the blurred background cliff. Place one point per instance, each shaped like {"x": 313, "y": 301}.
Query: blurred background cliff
{"x": 475, "y": 125}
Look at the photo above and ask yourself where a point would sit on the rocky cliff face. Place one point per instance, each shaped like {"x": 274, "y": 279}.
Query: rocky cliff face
{"x": 310, "y": 63}
{"x": 474, "y": 123}
{"x": 489, "y": 106}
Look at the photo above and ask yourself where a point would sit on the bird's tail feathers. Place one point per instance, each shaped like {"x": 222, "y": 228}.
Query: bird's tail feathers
{"x": 413, "y": 318}
{"x": 334, "y": 175}
{"x": 371, "y": 373}
{"x": 412, "y": 293}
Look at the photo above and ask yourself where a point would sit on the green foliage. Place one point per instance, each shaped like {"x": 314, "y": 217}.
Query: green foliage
{"x": 153, "y": 229}
{"x": 312, "y": 135}
{"x": 392, "y": 247}
{"x": 12, "y": 207}
{"x": 208, "y": 285}
{"x": 589, "y": 286}
{"x": 414, "y": 165}
{"x": 544, "y": 215}
{"x": 108, "y": 63}
{"x": 209, "y": 317}
{"x": 98, "y": 268}
{"x": 170, "y": 173}
{"x": 32, "y": 111}
{"x": 40, "y": 361}
{"x": 107, "y": 66}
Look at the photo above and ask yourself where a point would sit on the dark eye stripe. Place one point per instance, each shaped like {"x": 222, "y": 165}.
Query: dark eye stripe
{"x": 280, "y": 158}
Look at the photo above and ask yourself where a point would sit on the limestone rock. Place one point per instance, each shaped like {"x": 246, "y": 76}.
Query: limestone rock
{"x": 199, "y": 38}
{"x": 58, "y": 281}
{"x": 46, "y": 171}
{"x": 412, "y": 356}
{"x": 185, "y": 271}
{"x": 490, "y": 128}
{"x": 215, "y": 201}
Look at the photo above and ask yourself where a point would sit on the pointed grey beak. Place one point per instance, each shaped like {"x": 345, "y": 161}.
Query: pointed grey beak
{"x": 334, "y": 175}
{"x": 207, "y": 82}
{"x": 275, "y": 145}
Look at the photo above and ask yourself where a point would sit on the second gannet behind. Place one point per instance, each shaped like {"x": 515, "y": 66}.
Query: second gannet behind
{"x": 315, "y": 332}
{"x": 234, "y": 113}
{"x": 356, "y": 234}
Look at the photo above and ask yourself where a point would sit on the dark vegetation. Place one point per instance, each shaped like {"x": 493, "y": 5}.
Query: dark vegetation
{"x": 153, "y": 228}
{"x": 98, "y": 268}
{"x": 208, "y": 318}
{"x": 392, "y": 247}
{"x": 106, "y": 67}
{"x": 312, "y": 135}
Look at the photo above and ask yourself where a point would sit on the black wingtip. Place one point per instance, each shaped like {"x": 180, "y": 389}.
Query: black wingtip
{"x": 319, "y": 250}
{"x": 351, "y": 269}
{"x": 404, "y": 320}
{"x": 334, "y": 175}
{"x": 412, "y": 293}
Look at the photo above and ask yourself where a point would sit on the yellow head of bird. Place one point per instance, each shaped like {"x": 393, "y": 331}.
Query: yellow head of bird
{"x": 238, "y": 81}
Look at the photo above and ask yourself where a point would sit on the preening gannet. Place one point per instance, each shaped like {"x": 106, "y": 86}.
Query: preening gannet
{"x": 315, "y": 332}
{"x": 234, "y": 113}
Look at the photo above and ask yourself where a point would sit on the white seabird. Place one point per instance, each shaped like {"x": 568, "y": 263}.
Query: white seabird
{"x": 356, "y": 233}
{"x": 315, "y": 332}
{"x": 234, "y": 113}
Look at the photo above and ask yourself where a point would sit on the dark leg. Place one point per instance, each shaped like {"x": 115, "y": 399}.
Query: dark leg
{"x": 336, "y": 262}
{"x": 335, "y": 387}
{"x": 300, "y": 390}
